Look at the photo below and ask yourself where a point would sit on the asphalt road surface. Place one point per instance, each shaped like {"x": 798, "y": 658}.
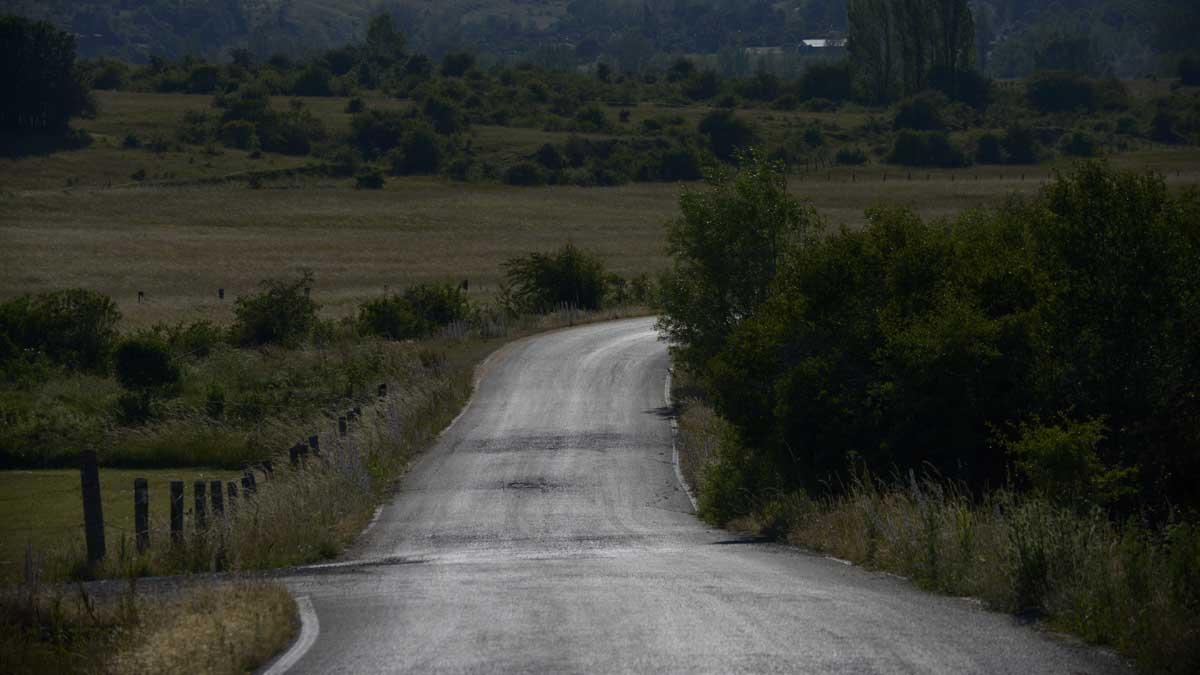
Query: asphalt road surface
{"x": 546, "y": 532}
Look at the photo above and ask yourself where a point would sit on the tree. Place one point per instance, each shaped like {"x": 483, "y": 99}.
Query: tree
{"x": 727, "y": 247}
{"x": 385, "y": 44}
{"x": 872, "y": 46}
{"x": 41, "y": 88}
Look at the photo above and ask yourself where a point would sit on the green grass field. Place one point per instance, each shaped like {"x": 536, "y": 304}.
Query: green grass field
{"x": 45, "y": 509}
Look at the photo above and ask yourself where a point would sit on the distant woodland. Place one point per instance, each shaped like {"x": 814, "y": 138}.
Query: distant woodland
{"x": 1008, "y": 38}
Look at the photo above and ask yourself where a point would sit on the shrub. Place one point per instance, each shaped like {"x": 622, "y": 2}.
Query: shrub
{"x": 1061, "y": 91}
{"x": 549, "y": 157}
{"x": 314, "y": 80}
{"x": 240, "y": 134}
{"x": 447, "y": 119}
{"x": 525, "y": 174}
{"x": 145, "y": 363}
{"x": 282, "y": 314}
{"x": 355, "y": 106}
{"x": 828, "y": 81}
{"x": 1020, "y": 145}
{"x": 922, "y": 112}
{"x": 989, "y": 149}
{"x": 416, "y": 313}
{"x": 457, "y": 64}
{"x": 1080, "y": 144}
{"x": 726, "y": 133}
{"x": 926, "y": 148}
{"x": 540, "y": 282}
{"x": 420, "y": 152}
{"x": 851, "y": 156}
{"x": 1059, "y": 461}
{"x": 368, "y": 178}
{"x": 702, "y": 86}
{"x": 591, "y": 119}
{"x": 75, "y": 328}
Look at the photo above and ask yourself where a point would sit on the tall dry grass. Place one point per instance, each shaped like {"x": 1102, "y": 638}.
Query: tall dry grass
{"x": 1125, "y": 585}
{"x": 233, "y": 628}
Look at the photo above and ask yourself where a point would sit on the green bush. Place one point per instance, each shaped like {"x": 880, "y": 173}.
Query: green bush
{"x": 75, "y": 328}
{"x": 282, "y": 314}
{"x": 922, "y": 112}
{"x": 416, "y": 313}
{"x": 1080, "y": 144}
{"x": 926, "y": 148}
{"x": 525, "y": 174}
{"x": 420, "y": 152}
{"x": 911, "y": 344}
{"x": 989, "y": 149}
{"x": 145, "y": 363}
{"x": 850, "y": 156}
{"x": 1020, "y": 145}
{"x": 540, "y": 282}
{"x": 368, "y": 178}
{"x": 726, "y": 133}
{"x": 240, "y": 134}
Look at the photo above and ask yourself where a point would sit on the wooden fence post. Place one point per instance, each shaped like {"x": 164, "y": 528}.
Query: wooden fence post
{"x": 93, "y": 510}
{"x": 232, "y": 490}
{"x": 220, "y": 293}
{"x": 141, "y": 513}
{"x": 383, "y": 390}
{"x": 218, "y": 499}
{"x": 176, "y": 512}
{"x": 343, "y": 427}
{"x": 201, "y": 505}
{"x": 248, "y": 485}
{"x": 314, "y": 442}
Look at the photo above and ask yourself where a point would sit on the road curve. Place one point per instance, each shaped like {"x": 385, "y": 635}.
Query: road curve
{"x": 546, "y": 532}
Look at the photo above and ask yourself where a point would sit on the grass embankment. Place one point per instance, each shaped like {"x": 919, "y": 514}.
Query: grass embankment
{"x": 1120, "y": 585}
{"x": 233, "y": 628}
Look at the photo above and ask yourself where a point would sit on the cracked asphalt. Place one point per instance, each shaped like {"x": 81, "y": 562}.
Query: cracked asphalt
{"x": 546, "y": 532}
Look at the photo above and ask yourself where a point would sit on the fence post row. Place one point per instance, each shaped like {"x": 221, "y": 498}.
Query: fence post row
{"x": 199, "y": 489}
{"x": 218, "y": 499}
{"x": 141, "y": 513}
{"x": 93, "y": 511}
{"x": 176, "y": 511}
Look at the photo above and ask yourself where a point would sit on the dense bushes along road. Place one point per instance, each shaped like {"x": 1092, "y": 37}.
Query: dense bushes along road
{"x": 1046, "y": 349}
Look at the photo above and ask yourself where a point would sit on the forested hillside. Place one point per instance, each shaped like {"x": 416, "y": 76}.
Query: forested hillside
{"x": 1012, "y": 38}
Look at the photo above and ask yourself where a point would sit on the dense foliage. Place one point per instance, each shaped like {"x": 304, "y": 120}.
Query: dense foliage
{"x": 1052, "y": 341}
{"x": 543, "y": 282}
{"x": 415, "y": 313}
{"x": 40, "y": 87}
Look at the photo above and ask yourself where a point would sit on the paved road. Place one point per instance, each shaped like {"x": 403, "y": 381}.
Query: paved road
{"x": 546, "y": 532}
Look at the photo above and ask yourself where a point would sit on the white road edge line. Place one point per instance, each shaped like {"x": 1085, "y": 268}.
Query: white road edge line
{"x": 310, "y": 628}
{"x": 675, "y": 445}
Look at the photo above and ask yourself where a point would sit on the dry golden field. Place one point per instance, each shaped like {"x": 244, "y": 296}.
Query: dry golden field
{"x": 76, "y": 218}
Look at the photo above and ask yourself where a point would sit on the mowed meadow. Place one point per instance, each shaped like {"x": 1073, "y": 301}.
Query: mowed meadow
{"x": 203, "y": 220}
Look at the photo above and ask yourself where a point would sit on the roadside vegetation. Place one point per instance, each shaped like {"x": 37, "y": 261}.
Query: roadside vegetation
{"x": 197, "y": 394}
{"x": 231, "y": 628}
{"x": 996, "y": 404}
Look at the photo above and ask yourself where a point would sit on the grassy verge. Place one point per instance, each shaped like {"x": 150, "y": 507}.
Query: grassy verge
{"x": 44, "y": 510}
{"x": 1121, "y": 585}
{"x": 232, "y": 628}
